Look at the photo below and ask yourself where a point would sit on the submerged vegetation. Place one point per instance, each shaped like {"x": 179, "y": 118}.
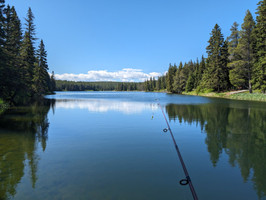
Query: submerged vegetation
{"x": 23, "y": 68}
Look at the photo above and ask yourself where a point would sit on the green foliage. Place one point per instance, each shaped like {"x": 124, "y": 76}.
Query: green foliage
{"x": 245, "y": 46}
{"x": 41, "y": 78}
{"x": 259, "y": 69}
{"x": 190, "y": 83}
{"x": 233, "y": 41}
{"x": 170, "y": 77}
{"x": 23, "y": 71}
{"x": 216, "y": 73}
{"x": 98, "y": 86}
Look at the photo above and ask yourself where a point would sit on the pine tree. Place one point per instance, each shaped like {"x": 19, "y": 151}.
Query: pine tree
{"x": 200, "y": 72}
{"x": 233, "y": 41}
{"x": 259, "y": 70}
{"x": 177, "y": 83}
{"x": 170, "y": 77}
{"x": 216, "y": 75}
{"x": 12, "y": 50}
{"x": 41, "y": 78}
{"x": 2, "y": 53}
{"x": 183, "y": 76}
{"x": 196, "y": 74}
{"x": 245, "y": 51}
{"x": 190, "y": 83}
{"x": 28, "y": 54}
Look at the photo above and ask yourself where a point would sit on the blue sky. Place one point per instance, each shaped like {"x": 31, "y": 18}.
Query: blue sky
{"x": 127, "y": 40}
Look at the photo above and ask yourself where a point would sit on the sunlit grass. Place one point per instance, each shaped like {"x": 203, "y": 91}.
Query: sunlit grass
{"x": 240, "y": 96}
{"x": 248, "y": 96}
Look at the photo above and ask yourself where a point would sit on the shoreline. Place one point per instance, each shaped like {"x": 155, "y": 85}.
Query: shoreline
{"x": 235, "y": 95}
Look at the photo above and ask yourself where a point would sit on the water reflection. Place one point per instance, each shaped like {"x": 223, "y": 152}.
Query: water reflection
{"x": 239, "y": 132}
{"x": 101, "y": 105}
{"x": 21, "y": 130}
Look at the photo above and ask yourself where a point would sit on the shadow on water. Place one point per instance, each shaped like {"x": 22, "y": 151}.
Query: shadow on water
{"x": 21, "y": 130}
{"x": 239, "y": 131}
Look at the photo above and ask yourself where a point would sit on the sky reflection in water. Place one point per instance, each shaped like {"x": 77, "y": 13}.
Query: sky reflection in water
{"x": 111, "y": 146}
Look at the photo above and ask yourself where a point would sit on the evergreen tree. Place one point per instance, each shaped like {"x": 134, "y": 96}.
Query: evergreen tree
{"x": 159, "y": 83}
{"x": 233, "y": 41}
{"x": 243, "y": 66}
{"x": 41, "y": 78}
{"x": 170, "y": 77}
{"x": 2, "y": 53}
{"x": 190, "y": 83}
{"x": 177, "y": 83}
{"x": 196, "y": 74}
{"x": 259, "y": 71}
{"x": 28, "y": 54}
{"x": 216, "y": 75}
{"x": 183, "y": 76}
{"x": 200, "y": 71}
{"x": 12, "y": 48}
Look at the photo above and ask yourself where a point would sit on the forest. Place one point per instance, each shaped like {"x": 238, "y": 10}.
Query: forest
{"x": 23, "y": 66}
{"x": 237, "y": 62}
{"x": 98, "y": 86}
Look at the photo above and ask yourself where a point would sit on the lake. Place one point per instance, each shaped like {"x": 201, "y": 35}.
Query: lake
{"x": 111, "y": 145}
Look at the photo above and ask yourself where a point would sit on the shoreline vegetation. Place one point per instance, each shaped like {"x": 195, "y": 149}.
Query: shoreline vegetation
{"x": 234, "y": 63}
{"x": 236, "y": 95}
{"x": 126, "y": 86}
{"x": 23, "y": 63}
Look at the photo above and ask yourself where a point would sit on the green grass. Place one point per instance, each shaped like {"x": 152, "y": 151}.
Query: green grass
{"x": 240, "y": 96}
{"x": 248, "y": 96}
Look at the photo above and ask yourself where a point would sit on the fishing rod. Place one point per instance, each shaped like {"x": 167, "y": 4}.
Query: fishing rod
{"x": 187, "y": 180}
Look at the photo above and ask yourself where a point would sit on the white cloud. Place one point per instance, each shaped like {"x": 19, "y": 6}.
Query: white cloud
{"x": 125, "y": 75}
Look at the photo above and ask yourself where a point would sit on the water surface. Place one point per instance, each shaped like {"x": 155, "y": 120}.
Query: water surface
{"x": 110, "y": 145}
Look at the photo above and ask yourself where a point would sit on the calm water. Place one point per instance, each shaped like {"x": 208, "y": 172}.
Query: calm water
{"x": 110, "y": 145}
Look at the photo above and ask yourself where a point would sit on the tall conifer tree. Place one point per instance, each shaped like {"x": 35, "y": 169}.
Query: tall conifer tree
{"x": 245, "y": 50}
{"x": 2, "y": 53}
{"x": 12, "y": 49}
{"x": 28, "y": 54}
{"x": 259, "y": 70}
{"x": 233, "y": 41}
{"x": 170, "y": 77}
{"x": 216, "y": 74}
{"x": 41, "y": 78}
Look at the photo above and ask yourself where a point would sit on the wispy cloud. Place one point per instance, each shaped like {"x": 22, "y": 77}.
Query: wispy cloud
{"x": 125, "y": 75}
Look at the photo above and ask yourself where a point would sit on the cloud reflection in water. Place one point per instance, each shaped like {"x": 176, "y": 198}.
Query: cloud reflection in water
{"x": 100, "y": 105}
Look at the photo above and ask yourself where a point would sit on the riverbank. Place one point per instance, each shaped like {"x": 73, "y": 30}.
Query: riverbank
{"x": 239, "y": 95}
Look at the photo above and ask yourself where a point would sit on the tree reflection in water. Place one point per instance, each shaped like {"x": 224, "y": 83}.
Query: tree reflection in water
{"x": 239, "y": 131}
{"x": 21, "y": 130}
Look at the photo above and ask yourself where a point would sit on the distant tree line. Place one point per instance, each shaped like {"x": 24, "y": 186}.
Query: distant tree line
{"x": 98, "y": 86}
{"x": 23, "y": 67}
{"x": 238, "y": 62}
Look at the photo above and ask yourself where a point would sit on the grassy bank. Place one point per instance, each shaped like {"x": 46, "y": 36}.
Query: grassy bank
{"x": 255, "y": 96}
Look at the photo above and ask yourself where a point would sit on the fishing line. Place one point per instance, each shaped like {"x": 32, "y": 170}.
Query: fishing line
{"x": 186, "y": 180}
